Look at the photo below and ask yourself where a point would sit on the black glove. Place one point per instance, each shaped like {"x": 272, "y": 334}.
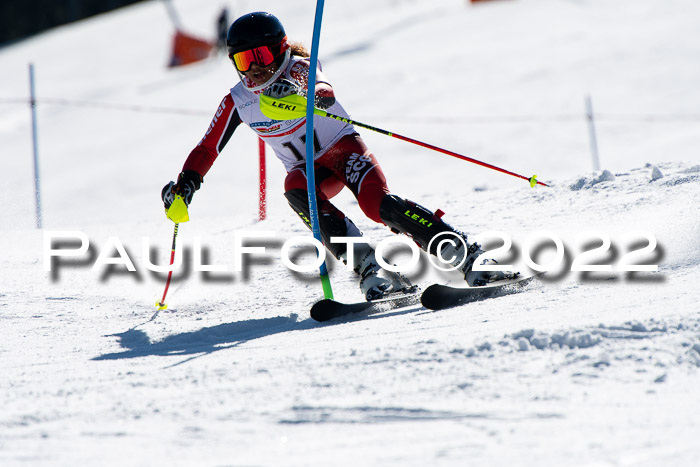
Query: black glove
{"x": 323, "y": 102}
{"x": 188, "y": 182}
{"x": 281, "y": 88}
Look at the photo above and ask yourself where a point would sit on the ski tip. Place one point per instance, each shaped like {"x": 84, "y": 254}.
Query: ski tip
{"x": 319, "y": 310}
{"x": 160, "y": 306}
{"x": 431, "y": 296}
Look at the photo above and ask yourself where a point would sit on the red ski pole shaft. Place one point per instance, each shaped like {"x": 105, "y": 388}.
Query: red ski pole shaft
{"x": 464, "y": 158}
{"x": 161, "y": 305}
{"x": 532, "y": 180}
{"x": 292, "y": 106}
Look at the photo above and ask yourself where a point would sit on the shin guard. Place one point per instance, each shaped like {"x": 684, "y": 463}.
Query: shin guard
{"x": 406, "y": 217}
{"x": 332, "y": 222}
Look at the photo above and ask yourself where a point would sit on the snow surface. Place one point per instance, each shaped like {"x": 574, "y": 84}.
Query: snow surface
{"x": 579, "y": 369}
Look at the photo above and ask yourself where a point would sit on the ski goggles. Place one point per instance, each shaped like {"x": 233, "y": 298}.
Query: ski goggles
{"x": 262, "y": 56}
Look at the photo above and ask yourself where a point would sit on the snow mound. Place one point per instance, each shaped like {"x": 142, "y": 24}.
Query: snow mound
{"x": 648, "y": 345}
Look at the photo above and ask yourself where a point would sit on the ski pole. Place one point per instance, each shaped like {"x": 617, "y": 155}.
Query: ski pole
{"x": 177, "y": 212}
{"x": 161, "y": 305}
{"x": 292, "y": 106}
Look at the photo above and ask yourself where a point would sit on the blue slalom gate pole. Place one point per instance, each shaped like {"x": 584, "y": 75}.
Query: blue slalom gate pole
{"x": 310, "y": 175}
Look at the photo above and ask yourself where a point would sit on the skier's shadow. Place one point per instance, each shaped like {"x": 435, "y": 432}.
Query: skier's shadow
{"x": 201, "y": 342}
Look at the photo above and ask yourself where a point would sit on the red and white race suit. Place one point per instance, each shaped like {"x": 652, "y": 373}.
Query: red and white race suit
{"x": 341, "y": 157}
{"x": 285, "y": 137}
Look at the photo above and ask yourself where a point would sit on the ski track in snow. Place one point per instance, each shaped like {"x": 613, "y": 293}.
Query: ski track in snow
{"x": 577, "y": 369}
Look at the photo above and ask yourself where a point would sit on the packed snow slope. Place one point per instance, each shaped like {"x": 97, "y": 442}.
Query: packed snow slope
{"x": 580, "y": 368}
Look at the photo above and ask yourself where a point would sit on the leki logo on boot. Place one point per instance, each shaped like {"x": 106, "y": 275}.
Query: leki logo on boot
{"x": 418, "y": 218}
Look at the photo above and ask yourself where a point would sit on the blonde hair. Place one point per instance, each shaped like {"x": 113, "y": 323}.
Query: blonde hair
{"x": 299, "y": 49}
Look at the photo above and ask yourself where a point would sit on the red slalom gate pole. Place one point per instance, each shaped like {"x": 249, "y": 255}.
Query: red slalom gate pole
{"x": 262, "y": 204}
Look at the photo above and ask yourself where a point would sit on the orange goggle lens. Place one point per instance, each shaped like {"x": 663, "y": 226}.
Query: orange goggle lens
{"x": 262, "y": 56}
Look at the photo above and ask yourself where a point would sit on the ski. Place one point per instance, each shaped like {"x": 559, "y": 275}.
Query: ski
{"x": 438, "y": 296}
{"x": 328, "y": 309}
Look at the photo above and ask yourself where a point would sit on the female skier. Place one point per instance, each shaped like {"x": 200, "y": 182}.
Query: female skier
{"x": 266, "y": 62}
